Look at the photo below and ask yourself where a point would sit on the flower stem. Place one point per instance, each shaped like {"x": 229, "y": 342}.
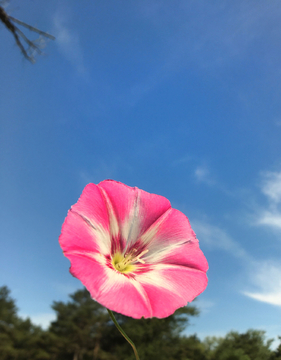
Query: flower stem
{"x": 124, "y": 334}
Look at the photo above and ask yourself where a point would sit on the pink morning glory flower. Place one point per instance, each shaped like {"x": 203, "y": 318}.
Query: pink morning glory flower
{"x": 134, "y": 253}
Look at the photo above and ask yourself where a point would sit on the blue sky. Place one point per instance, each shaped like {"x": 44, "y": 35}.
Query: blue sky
{"x": 179, "y": 98}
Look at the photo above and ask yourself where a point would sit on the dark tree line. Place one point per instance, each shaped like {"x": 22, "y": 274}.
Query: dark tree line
{"x": 83, "y": 330}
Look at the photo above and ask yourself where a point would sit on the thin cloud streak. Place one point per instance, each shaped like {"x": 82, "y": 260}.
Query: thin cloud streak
{"x": 271, "y": 188}
{"x": 216, "y": 238}
{"x": 202, "y": 174}
{"x": 68, "y": 43}
{"x": 204, "y": 305}
{"x": 271, "y": 219}
{"x": 267, "y": 277}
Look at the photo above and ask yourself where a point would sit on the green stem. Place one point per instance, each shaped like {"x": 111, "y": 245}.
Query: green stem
{"x": 124, "y": 334}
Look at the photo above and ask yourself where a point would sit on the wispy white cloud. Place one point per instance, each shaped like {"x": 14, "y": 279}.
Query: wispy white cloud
{"x": 204, "y": 305}
{"x": 271, "y": 188}
{"x": 270, "y": 218}
{"x": 202, "y": 174}
{"x": 266, "y": 277}
{"x": 216, "y": 238}
{"x": 68, "y": 42}
{"x": 262, "y": 276}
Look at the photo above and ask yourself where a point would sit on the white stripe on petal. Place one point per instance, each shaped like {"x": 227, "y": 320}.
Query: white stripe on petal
{"x": 100, "y": 235}
{"x": 114, "y": 228}
{"x": 131, "y": 227}
{"x": 114, "y": 278}
{"x": 157, "y": 251}
{"x": 151, "y": 233}
{"x": 157, "y": 244}
{"x": 142, "y": 292}
{"x": 100, "y": 258}
{"x": 159, "y": 279}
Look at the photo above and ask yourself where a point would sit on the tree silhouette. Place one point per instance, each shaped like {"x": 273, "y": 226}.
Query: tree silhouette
{"x": 28, "y": 47}
{"x": 248, "y": 346}
{"x": 19, "y": 339}
{"x": 83, "y": 330}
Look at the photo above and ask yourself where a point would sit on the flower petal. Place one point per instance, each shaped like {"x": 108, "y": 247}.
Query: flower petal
{"x": 189, "y": 255}
{"x": 91, "y": 205}
{"x": 169, "y": 287}
{"x": 168, "y": 268}
{"x": 171, "y": 240}
{"x": 110, "y": 288}
{"x": 78, "y": 235}
{"x": 87, "y": 225}
{"x": 136, "y": 210}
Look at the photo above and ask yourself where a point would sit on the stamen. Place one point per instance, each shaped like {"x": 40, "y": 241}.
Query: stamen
{"x": 128, "y": 257}
{"x": 122, "y": 263}
{"x": 138, "y": 258}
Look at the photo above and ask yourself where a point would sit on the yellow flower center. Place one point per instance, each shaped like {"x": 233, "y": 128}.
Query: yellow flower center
{"x": 124, "y": 263}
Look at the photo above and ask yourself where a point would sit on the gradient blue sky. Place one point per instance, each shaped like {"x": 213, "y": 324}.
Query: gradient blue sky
{"x": 180, "y": 98}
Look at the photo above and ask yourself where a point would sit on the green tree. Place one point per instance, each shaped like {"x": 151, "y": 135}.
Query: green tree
{"x": 248, "y": 346}
{"x": 8, "y": 321}
{"x": 276, "y": 355}
{"x": 190, "y": 348}
{"x": 154, "y": 338}
{"x": 79, "y": 327}
{"x": 84, "y": 330}
{"x": 19, "y": 339}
